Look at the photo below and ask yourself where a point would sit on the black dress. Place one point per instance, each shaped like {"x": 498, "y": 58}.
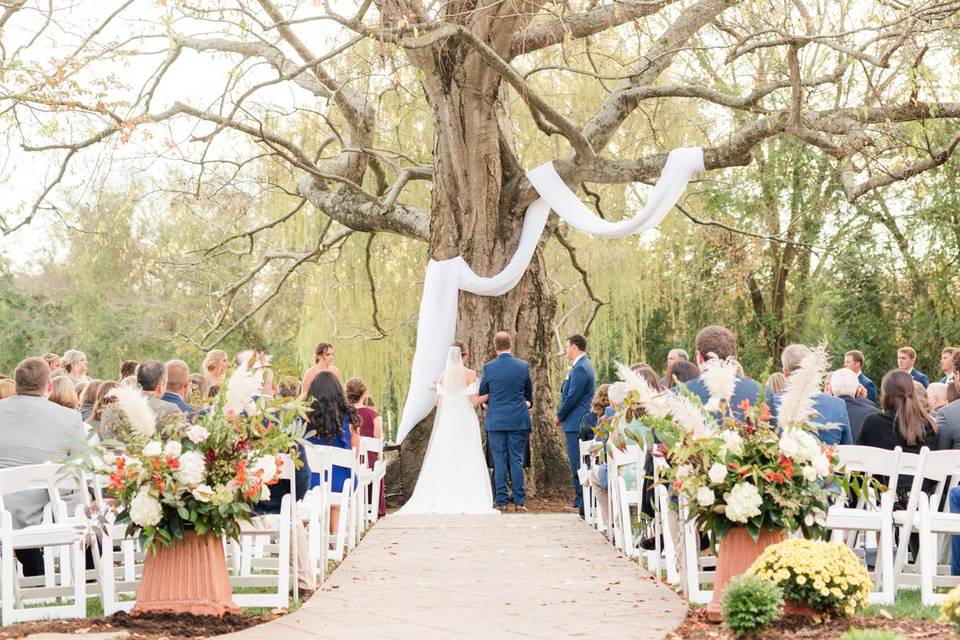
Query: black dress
{"x": 880, "y": 430}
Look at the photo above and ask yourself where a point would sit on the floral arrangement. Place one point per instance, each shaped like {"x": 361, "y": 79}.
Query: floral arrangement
{"x": 735, "y": 469}
{"x": 950, "y": 608}
{"x": 170, "y": 475}
{"x": 827, "y": 576}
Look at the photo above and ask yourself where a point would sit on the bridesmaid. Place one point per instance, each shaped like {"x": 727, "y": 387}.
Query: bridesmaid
{"x": 371, "y": 426}
{"x": 323, "y": 361}
{"x": 331, "y": 422}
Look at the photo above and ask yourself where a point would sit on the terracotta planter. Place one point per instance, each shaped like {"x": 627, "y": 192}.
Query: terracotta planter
{"x": 793, "y": 608}
{"x": 189, "y": 576}
{"x": 735, "y": 554}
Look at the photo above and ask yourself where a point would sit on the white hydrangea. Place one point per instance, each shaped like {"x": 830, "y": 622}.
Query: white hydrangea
{"x": 267, "y": 464}
{"x": 173, "y": 448}
{"x": 145, "y": 510}
{"x": 203, "y": 492}
{"x": 192, "y": 468}
{"x": 809, "y": 473}
{"x": 717, "y": 473}
{"x": 821, "y": 464}
{"x": 705, "y": 496}
{"x": 799, "y": 445}
{"x": 197, "y": 434}
{"x": 743, "y": 502}
{"x": 153, "y": 448}
{"x": 732, "y": 440}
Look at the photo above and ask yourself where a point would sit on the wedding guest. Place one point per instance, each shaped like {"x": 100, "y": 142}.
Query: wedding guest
{"x": 948, "y": 423}
{"x": 683, "y": 371}
{"x": 576, "y": 394}
{"x": 323, "y": 361}
{"x": 830, "y": 413}
{"x": 215, "y": 366}
{"x": 906, "y": 358}
{"x": 922, "y": 395}
{"x": 936, "y": 395}
{"x": 674, "y": 355}
{"x": 598, "y": 476}
{"x": 371, "y": 424}
{"x": 7, "y": 388}
{"x": 777, "y": 383}
{"x": 854, "y": 361}
{"x": 370, "y": 402}
{"x": 268, "y": 388}
{"x": 177, "y": 390}
{"x": 63, "y": 393}
{"x": 88, "y": 398}
{"x": 103, "y": 400}
{"x": 845, "y": 385}
{"x": 53, "y": 361}
{"x": 152, "y": 379}
{"x": 75, "y": 364}
{"x": 289, "y": 387}
{"x": 78, "y": 389}
{"x": 199, "y": 391}
{"x": 590, "y": 420}
{"x": 953, "y": 391}
{"x": 331, "y": 422}
{"x": 946, "y": 363}
{"x": 648, "y": 374}
{"x": 721, "y": 342}
{"x": 34, "y": 430}
{"x": 128, "y": 368}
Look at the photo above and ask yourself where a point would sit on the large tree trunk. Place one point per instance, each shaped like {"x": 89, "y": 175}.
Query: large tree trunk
{"x": 473, "y": 214}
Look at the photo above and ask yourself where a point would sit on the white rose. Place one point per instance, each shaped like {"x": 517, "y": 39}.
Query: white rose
{"x": 821, "y": 463}
{"x": 717, "y": 473}
{"x": 173, "y": 448}
{"x": 145, "y": 510}
{"x": 202, "y": 492}
{"x": 192, "y": 468}
{"x": 705, "y": 496}
{"x": 684, "y": 471}
{"x": 266, "y": 464}
{"x": 197, "y": 434}
{"x": 809, "y": 473}
{"x": 153, "y": 448}
{"x": 733, "y": 441}
{"x": 743, "y": 502}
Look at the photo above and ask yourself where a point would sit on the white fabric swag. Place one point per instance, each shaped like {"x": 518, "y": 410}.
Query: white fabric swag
{"x": 445, "y": 279}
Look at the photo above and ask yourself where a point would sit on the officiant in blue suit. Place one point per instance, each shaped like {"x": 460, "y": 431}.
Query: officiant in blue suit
{"x": 575, "y": 397}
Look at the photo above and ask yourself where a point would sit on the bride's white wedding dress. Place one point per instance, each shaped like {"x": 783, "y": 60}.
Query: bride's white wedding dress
{"x": 454, "y": 476}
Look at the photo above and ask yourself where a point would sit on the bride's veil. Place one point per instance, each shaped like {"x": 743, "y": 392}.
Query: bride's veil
{"x": 455, "y": 374}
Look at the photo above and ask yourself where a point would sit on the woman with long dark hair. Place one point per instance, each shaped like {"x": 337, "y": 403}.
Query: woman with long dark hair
{"x": 331, "y": 422}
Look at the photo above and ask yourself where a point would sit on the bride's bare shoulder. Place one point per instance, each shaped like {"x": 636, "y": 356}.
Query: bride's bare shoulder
{"x": 471, "y": 376}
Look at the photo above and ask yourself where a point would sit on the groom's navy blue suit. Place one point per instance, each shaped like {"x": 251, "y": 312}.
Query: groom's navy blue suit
{"x": 507, "y": 380}
{"x": 576, "y": 395}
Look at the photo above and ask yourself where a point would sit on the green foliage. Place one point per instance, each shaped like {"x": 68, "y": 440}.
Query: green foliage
{"x": 750, "y": 604}
{"x": 871, "y": 634}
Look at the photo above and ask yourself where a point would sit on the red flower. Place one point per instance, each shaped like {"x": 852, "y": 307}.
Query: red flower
{"x": 677, "y": 485}
{"x": 159, "y": 483}
{"x": 787, "y": 465}
{"x": 776, "y": 478}
{"x": 173, "y": 463}
{"x": 116, "y": 482}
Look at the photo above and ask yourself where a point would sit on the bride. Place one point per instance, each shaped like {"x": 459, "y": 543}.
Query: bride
{"x": 454, "y": 477}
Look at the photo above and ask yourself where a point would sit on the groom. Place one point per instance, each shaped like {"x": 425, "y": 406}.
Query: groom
{"x": 507, "y": 389}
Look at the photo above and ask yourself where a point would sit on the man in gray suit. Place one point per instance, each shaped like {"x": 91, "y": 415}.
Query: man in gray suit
{"x": 34, "y": 430}
{"x": 152, "y": 378}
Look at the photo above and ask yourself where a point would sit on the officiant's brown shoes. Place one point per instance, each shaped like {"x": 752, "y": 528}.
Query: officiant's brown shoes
{"x": 521, "y": 508}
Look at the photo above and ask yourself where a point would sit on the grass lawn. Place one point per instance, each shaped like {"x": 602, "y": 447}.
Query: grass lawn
{"x": 907, "y": 605}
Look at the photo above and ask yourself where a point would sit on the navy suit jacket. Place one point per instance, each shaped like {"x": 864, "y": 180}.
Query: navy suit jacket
{"x": 174, "y": 398}
{"x": 746, "y": 389}
{"x": 919, "y": 377}
{"x": 857, "y": 410}
{"x": 869, "y": 386}
{"x": 576, "y": 394}
{"x": 507, "y": 380}
{"x": 829, "y": 410}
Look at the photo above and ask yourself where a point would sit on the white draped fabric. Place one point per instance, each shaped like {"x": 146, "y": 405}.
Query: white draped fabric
{"x": 445, "y": 279}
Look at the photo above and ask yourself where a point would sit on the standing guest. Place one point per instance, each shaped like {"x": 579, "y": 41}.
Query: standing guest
{"x": 75, "y": 364}
{"x": 648, "y": 374}
{"x": 323, "y": 361}
{"x": 674, "y": 355}
{"x": 854, "y": 361}
{"x": 128, "y": 368}
{"x": 7, "y": 388}
{"x": 33, "y": 431}
{"x": 830, "y": 413}
{"x": 63, "y": 393}
{"x": 178, "y": 386}
{"x": 721, "y": 342}
{"x": 575, "y": 397}
{"x": 844, "y": 384}
{"x": 103, "y": 400}
{"x": 331, "y": 422}
{"x": 777, "y": 383}
{"x": 53, "y": 361}
{"x": 906, "y": 358}
{"x": 683, "y": 371}
{"x": 88, "y": 398}
{"x": 946, "y": 363}
{"x": 215, "y": 366}
{"x": 199, "y": 391}
{"x": 371, "y": 424}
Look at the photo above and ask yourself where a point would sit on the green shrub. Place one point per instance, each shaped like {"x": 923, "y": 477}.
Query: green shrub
{"x": 750, "y": 603}
{"x": 871, "y": 634}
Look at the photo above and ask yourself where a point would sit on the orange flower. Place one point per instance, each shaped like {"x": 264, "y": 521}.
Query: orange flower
{"x": 744, "y": 405}
{"x": 116, "y": 482}
{"x": 159, "y": 483}
{"x": 765, "y": 414}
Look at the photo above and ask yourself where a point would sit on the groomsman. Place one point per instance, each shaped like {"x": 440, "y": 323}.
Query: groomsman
{"x": 575, "y": 398}
{"x": 906, "y": 358}
{"x": 854, "y": 360}
{"x": 946, "y": 363}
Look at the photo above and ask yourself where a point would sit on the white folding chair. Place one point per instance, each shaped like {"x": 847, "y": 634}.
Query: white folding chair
{"x": 378, "y": 473}
{"x": 664, "y": 553}
{"x": 696, "y": 571}
{"x": 583, "y": 477}
{"x": 14, "y": 593}
{"x": 315, "y": 513}
{"x": 872, "y": 514}
{"x": 907, "y": 574}
{"x": 346, "y": 499}
{"x": 624, "y": 499}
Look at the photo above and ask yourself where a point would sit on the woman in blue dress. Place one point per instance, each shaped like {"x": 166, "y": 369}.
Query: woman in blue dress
{"x": 331, "y": 422}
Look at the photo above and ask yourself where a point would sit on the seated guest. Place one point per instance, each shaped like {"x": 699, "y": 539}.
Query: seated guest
{"x": 845, "y": 385}
{"x": 906, "y": 358}
{"x": 33, "y": 431}
{"x": 75, "y": 364}
{"x": 674, "y": 355}
{"x": 371, "y": 426}
{"x": 63, "y": 393}
{"x": 680, "y": 371}
{"x": 199, "y": 391}
{"x": 128, "y": 368}
{"x": 777, "y": 383}
{"x": 53, "y": 361}
{"x": 854, "y": 361}
{"x": 922, "y": 395}
{"x": 88, "y": 398}
{"x": 948, "y": 419}
{"x": 947, "y": 364}
{"x": 598, "y": 476}
{"x": 103, "y": 400}
{"x": 215, "y": 366}
{"x": 648, "y": 374}
{"x": 178, "y": 386}
{"x": 831, "y": 413}
{"x": 7, "y": 388}
{"x": 936, "y": 395}
{"x": 152, "y": 379}
{"x": 723, "y": 344}
{"x": 331, "y": 422}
